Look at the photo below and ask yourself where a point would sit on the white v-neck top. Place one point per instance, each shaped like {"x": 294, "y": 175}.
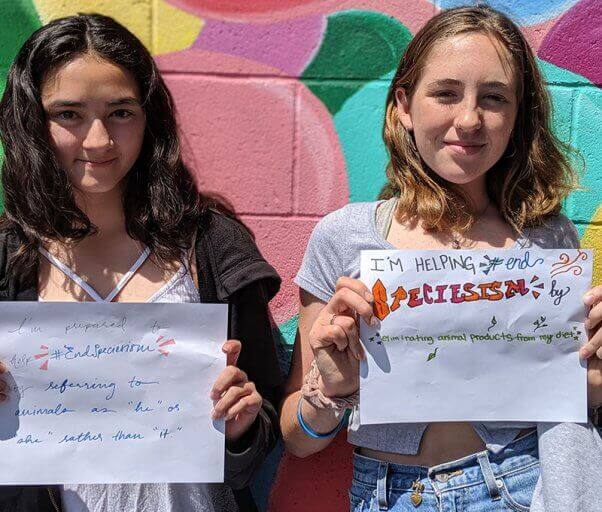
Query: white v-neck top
{"x": 163, "y": 497}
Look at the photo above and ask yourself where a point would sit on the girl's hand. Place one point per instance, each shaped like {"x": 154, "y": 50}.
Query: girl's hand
{"x": 3, "y": 385}
{"x": 592, "y": 350}
{"x": 334, "y": 337}
{"x": 234, "y": 397}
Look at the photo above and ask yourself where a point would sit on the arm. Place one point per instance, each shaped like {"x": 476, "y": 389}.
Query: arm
{"x": 329, "y": 333}
{"x": 250, "y": 323}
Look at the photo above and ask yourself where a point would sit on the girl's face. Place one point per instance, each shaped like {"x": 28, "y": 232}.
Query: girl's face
{"x": 95, "y": 121}
{"x": 463, "y": 108}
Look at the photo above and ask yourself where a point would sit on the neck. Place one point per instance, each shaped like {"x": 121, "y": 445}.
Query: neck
{"x": 105, "y": 211}
{"x": 477, "y": 193}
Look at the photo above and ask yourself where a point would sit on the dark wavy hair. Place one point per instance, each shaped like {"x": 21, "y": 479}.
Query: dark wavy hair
{"x": 161, "y": 202}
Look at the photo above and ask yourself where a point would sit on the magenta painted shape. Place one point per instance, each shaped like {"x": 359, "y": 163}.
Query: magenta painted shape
{"x": 575, "y": 42}
{"x": 287, "y": 45}
{"x": 413, "y": 14}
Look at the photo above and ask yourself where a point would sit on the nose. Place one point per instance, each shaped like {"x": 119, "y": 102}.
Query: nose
{"x": 98, "y": 137}
{"x": 469, "y": 117}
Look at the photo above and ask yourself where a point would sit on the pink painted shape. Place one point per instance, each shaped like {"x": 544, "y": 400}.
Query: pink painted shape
{"x": 412, "y": 14}
{"x": 168, "y": 342}
{"x": 40, "y": 356}
{"x": 318, "y": 482}
{"x": 286, "y": 45}
{"x": 535, "y": 34}
{"x": 575, "y": 42}
{"x": 44, "y": 366}
{"x": 282, "y": 242}
{"x": 321, "y": 182}
{"x": 238, "y": 138}
{"x": 197, "y": 60}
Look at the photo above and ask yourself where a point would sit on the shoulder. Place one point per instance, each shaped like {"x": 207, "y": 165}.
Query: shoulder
{"x": 226, "y": 246}
{"x": 349, "y": 223}
{"x": 555, "y": 232}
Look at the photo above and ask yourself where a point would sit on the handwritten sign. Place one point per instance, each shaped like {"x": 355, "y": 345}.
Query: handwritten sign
{"x": 475, "y": 336}
{"x": 108, "y": 393}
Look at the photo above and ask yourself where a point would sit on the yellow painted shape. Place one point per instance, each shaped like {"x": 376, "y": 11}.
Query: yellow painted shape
{"x": 592, "y": 239}
{"x": 161, "y": 27}
{"x": 174, "y": 29}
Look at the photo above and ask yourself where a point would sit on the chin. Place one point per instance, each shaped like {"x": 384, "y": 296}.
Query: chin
{"x": 461, "y": 176}
{"x": 96, "y": 188}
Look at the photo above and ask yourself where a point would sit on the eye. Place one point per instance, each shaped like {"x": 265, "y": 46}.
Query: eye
{"x": 66, "y": 115}
{"x": 498, "y": 98}
{"x": 122, "y": 113}
{"x": 445, "y": 96}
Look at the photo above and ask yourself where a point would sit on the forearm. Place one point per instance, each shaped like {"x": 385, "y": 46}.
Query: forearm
{"x": 244, "y": 456}
{"x": 296, "y": 440}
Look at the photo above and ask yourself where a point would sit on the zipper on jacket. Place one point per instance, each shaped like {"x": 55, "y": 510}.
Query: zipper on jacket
{"x": 53, "y": 500}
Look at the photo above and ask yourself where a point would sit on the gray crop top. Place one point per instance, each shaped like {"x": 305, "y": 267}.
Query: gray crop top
{"x": 334, "y": 251}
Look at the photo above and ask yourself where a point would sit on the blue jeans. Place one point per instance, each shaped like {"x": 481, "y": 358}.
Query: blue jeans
{"x": 483, "y": 482}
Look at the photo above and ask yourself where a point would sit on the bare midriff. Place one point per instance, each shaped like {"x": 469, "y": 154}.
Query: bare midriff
{"x": 441, "y": 442}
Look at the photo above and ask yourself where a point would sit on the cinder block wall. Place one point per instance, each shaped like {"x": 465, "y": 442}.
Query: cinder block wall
{"x": 281, "y": 107}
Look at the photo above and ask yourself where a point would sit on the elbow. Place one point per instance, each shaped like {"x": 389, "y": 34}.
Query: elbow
{"x": 295, "y": 447}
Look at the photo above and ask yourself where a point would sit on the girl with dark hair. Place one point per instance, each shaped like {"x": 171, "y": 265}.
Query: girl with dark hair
{"x": 100, "y": 207}
{"x": 473, "y": 164}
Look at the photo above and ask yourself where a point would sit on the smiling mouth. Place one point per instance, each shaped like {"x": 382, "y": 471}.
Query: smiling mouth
{"x": 465, "y": 148}
{"x": 98, "y": 162}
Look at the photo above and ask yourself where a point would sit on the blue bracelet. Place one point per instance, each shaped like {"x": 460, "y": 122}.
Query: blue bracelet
{"x": 311, "y": 432}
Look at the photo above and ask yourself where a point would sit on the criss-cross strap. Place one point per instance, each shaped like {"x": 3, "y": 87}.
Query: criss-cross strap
{"x": 85, "y": 286}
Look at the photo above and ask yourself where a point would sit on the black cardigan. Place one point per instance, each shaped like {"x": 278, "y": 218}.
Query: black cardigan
{"x": 230, "y": 270}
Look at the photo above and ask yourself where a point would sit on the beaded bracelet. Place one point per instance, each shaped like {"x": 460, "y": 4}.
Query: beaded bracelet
{"x": 310, "y": 431}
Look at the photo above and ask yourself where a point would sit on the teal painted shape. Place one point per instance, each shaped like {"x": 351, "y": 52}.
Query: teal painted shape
{"x": 586, "y": 137}
{"x": 359, "y": 126}
{"x": 358, "y": 46}
{"x": 19, "y": 19}
{"x": 577, "y": 105}
{"x": 288, "y": 330}
{"x": 554, "y": 75}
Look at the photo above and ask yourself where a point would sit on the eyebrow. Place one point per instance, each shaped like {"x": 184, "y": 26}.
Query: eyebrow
{"x": 450, "y": 81}
{"x": 79, "y": 104}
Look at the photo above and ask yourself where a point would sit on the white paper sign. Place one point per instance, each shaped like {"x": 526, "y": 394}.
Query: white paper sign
{"x": 475, "y": 336}
{"x": 108, "y": 393}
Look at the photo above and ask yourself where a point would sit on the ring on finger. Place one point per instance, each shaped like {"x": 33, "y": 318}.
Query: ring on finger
{"x": 334, "y": 315}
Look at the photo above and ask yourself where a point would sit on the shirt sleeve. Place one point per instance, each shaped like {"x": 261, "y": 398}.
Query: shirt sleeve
{"x": 322, "y": 263}
{"x": 250, "y": 323}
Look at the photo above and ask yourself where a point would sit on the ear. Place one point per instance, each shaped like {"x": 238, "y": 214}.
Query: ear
{"x": 403, "y": 108}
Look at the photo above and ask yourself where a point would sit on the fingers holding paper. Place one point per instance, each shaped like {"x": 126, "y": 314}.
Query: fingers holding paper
{"x": 334, "y": 337}
{"x": 593, "y": 322}
{"x": 3, "y": 384}
{"x": 236, "y": 399}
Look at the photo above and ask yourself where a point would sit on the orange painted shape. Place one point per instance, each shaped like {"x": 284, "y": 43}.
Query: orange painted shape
{"x": 381, "y": 308}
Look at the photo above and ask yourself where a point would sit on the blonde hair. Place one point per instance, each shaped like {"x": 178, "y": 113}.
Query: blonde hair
{"x": 529, "y": 181}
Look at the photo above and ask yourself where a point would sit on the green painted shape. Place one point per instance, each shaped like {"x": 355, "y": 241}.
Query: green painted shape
{"x": 359, "y": 126}
{"x": 19, "y": 19}
{"x": 358, "y": 46}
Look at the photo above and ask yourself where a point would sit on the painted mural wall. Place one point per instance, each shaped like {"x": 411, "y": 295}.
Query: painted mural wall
{"x": 281, "y": 105}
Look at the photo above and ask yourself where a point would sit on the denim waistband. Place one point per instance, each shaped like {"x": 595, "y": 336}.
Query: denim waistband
{"x": 475, "y": 469}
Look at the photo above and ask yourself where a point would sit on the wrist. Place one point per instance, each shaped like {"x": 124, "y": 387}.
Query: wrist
{"x": 318, "y": 423}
